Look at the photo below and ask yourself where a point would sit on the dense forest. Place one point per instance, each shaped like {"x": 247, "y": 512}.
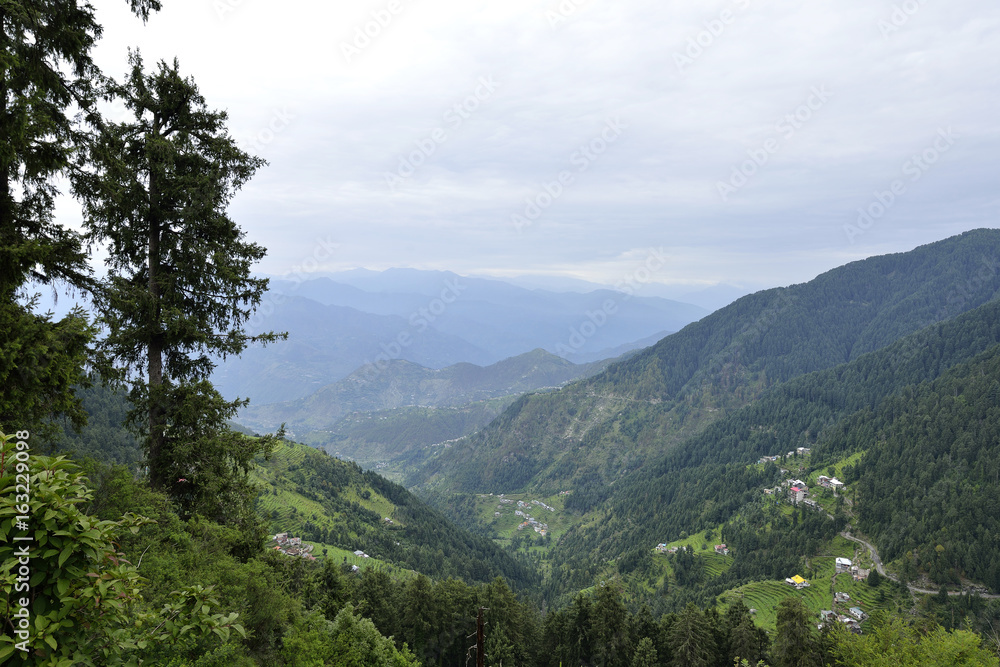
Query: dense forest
{"x": 291, "y": 611}
{"x": 679, "y": 491}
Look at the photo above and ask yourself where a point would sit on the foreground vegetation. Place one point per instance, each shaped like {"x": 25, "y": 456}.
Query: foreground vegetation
{"x": 120, "y": 578}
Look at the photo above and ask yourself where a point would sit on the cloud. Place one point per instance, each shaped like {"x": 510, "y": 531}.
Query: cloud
{"x": 693, "y": 115}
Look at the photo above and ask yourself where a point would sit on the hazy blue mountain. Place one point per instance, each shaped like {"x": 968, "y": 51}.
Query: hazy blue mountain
{"x": 584, "y": 356}
{"x": 433, "y": 319}
{"x": 326, "y": 343}
{"x": 503, "y": 319}
{"x": 402, "y": 383}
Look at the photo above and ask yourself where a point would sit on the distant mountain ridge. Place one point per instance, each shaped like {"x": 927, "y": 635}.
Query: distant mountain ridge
{"x": 402, "y": 383}
{"x": 434, "y": 319}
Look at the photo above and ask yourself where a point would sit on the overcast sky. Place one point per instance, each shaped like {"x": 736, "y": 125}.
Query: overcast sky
{"x": 537, "y": 137}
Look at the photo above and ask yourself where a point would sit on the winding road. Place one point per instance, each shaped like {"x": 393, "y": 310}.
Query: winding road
{"x": 881, "y": 570}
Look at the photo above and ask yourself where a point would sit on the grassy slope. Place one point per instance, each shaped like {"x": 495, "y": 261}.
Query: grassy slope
{"x": 337, "y": 507}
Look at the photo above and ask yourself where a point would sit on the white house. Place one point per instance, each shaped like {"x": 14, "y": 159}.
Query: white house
{"x": 844, "y": 565}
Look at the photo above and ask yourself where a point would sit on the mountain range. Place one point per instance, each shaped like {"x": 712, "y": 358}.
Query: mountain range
{"x": 884, "y": 372}
{"x": 610, "y": 424}
{"x": 433, "y": 319}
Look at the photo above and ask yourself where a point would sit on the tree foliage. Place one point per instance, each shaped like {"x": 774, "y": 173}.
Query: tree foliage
{"x": 71, "y": 597}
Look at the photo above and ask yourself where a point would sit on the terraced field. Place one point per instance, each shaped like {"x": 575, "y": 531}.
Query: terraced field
{"x": 765, "y": 596}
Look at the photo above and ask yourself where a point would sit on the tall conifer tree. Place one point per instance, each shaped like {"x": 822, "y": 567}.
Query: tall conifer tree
{"x": 179, "y": 290}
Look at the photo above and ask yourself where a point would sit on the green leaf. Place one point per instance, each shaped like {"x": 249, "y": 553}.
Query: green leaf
{"x": 66, "y": 553}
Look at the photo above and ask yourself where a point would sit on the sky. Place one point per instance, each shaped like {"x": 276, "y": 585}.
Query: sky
{"x": 747, "y": 142}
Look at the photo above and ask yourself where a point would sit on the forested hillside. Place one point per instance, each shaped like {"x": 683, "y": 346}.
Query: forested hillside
{"x": 611, "y": 424}
{"x": 708, "y": 479}
{"x": 928, "y": 484}
{"x": 322, "y": 499}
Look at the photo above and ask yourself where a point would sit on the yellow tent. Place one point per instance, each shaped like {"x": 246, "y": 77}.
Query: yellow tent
{"x": 798, "y": 580}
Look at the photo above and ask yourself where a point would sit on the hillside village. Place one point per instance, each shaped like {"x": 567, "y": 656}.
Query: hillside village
{"x": 794, "y": 492}
{"x": 522, "y": 511}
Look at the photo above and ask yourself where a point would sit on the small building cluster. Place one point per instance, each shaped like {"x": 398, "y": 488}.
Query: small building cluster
{"x": 798, "y": 582}
{"x": 722, "y": 549}
{"x": 361, "y": 554}
{"x": 540, "y": 528}
{"x": 661, "y": 548}
{"x": 829, "y": 482}
{"x": 292, "y": 546}
{"x": 852, "y": 623}
{"x": 802, "y": 451}
{"x": 543, "y": 505}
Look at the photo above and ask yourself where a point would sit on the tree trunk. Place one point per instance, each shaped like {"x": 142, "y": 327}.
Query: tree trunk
{"x": 154, "y": 351}
{"x": 8, "y": 271}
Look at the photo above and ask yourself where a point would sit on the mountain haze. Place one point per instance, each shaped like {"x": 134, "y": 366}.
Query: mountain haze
{"x": 402, "y": 383}
{"x": 433, "y": 319}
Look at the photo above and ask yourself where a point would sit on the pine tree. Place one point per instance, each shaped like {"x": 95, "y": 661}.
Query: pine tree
{"x": 179, "y": 287}
{"x": 45, "y": 71}
{"x": 691, "y": 639}
{"x": 645, "y": 654}
{"x": 794, "y": 645}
